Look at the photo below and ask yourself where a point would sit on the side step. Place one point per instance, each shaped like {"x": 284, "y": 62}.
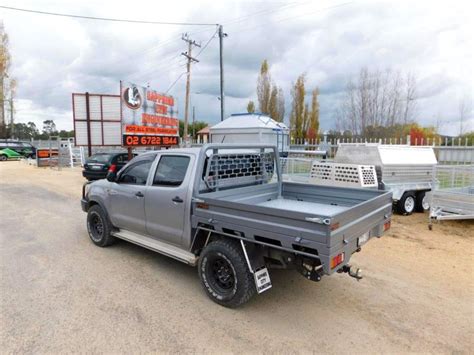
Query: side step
{"x": 157, "y": 246}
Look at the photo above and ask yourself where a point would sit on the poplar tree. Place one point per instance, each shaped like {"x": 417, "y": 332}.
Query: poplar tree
{"x": 251, "y": 107}
{"x": 313, "y": 129}
{"x": 264, "y": 84}
{"x": 297, "y": 117}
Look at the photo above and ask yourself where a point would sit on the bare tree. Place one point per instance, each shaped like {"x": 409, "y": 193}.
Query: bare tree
{"x": 377, "y": 99}
{"x": 281, "y": 105}
{"x": 464, "y": 109}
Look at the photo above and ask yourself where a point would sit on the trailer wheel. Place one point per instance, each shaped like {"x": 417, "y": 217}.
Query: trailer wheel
{"x": 225, "y": 275}
{"x": 99, "y": 227}
{"x": 422, "y": 204}
{"x": 406, "y": 205}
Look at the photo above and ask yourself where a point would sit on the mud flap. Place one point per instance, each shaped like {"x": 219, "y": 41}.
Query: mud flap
{"x": 257, "y": 267}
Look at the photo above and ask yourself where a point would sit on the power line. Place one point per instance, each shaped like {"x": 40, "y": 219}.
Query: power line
{"x": 107, "y": 18}
{"x": 294, "y": 17}
{"x": 207, "y": 43}
{"x": 175, "y": 82}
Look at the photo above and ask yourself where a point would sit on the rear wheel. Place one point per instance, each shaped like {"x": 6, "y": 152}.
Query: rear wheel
{"x": 406, "y": 205}
{"x": 99, "y": 227}
{"x": 3, "y": 157}
{"x": 422, "y": 204}
{"x": 225, "y": 275}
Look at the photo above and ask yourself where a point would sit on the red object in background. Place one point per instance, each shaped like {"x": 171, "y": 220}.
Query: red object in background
{"x": 417, "y": 136}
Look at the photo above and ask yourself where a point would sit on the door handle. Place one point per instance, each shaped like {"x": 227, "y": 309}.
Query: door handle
{"x": 177, "y": 199}
{"x": 139, "y": 194}
{"x": 112, "y": 192}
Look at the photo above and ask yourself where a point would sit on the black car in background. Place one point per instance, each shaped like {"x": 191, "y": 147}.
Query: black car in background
{"x": 24, "y": 148}
{"x": 97, "y": 165}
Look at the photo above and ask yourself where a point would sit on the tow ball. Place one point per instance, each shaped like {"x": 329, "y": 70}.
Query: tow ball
{"x": 357, "y": 274}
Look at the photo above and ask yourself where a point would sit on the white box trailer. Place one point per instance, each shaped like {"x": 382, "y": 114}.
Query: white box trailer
{"x": 251, "y": 128}
{"x": 407, "y": 171}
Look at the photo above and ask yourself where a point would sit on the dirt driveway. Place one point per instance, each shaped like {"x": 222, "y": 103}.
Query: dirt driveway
{"x": 60, "y": 293}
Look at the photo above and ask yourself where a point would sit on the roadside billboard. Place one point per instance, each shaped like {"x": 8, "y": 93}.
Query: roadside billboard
{"x": 97, "y": 119}
{"x": 148, "y": 117}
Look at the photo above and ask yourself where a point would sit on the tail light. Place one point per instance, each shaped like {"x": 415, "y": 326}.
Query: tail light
{"x": 386, "y": 226}
{"x": 336, "y": 260}
{"x": 113, "y": 168}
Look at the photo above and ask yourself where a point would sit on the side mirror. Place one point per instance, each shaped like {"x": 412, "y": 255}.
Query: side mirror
{"x": 111, "y": 176}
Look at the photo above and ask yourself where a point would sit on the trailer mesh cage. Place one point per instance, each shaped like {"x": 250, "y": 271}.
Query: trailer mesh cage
{"x": 238, "y": 169}
{"x": 453, "y": 193}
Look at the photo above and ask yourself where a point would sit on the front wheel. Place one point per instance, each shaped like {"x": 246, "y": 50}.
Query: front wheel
{"x": 225, "y": 275}
{"x": 406, "y": 205}
{"x": 99, "y": 227}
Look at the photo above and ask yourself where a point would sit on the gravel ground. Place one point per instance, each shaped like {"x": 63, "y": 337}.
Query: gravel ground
{"x": 60, "y": 293}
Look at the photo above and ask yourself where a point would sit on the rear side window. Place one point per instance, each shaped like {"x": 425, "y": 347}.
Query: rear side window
{"x": 136, "y": 173}
{"x": 171, "y": 170}
{"x": 122, "y": 158}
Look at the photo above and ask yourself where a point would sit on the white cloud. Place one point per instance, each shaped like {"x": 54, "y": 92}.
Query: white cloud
{"x": 54, "y": 56}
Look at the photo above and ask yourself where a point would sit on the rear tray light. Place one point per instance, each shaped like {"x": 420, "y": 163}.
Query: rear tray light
{"x": 386, "y": 226}
{"x": 337, "y": 260}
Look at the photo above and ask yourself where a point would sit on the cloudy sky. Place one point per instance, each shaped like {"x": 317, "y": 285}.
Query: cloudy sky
{"x": 330, "y": 41}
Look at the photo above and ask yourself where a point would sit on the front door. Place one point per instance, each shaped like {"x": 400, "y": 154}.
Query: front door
{"x": 127, "y": 197}
{"x": 166, "y": 202}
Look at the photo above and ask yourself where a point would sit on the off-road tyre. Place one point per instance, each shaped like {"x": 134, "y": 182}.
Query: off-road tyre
{"x": 406, "y": 205}
{"x": 99, "y": 227}
{"x": 420, "y": 205}
{"x": 224, "y": 273}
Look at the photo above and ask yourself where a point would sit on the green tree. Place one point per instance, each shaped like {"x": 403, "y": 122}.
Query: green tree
{"x": 49, "y": 128}
{"x": 251, "y": 107}
{"x": 297, "y": 116}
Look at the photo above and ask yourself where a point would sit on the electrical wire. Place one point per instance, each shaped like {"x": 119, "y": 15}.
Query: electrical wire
{"x": 106, "y": 18}
{"x": 295, "y": 17}
{"x": 174, "y": 83}
{"x": 207, "y": 43}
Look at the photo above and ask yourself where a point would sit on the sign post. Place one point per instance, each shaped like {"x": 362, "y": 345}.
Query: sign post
{"x": 88, "y": 117}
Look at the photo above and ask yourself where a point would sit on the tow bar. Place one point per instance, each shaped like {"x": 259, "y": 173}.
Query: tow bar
{"x": 348, "y": 269}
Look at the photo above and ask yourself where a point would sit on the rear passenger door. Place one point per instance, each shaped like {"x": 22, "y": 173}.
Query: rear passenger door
{"x": 166, "y": 202}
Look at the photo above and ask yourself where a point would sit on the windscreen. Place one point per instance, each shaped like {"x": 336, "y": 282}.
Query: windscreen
{"x": 99, "y": 158}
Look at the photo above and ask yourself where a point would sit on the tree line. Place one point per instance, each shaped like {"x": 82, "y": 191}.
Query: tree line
{"x": 304, "y": 118}
{"x": 29, "y": 131}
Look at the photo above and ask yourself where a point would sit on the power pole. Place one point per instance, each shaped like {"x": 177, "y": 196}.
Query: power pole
{"x": 194, "y": 117}
{"x": 221, "y": 62}
{"x": 188, "y": 55}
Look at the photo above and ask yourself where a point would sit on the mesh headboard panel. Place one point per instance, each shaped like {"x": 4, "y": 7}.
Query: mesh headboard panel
{"x": 238, "y": 169}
